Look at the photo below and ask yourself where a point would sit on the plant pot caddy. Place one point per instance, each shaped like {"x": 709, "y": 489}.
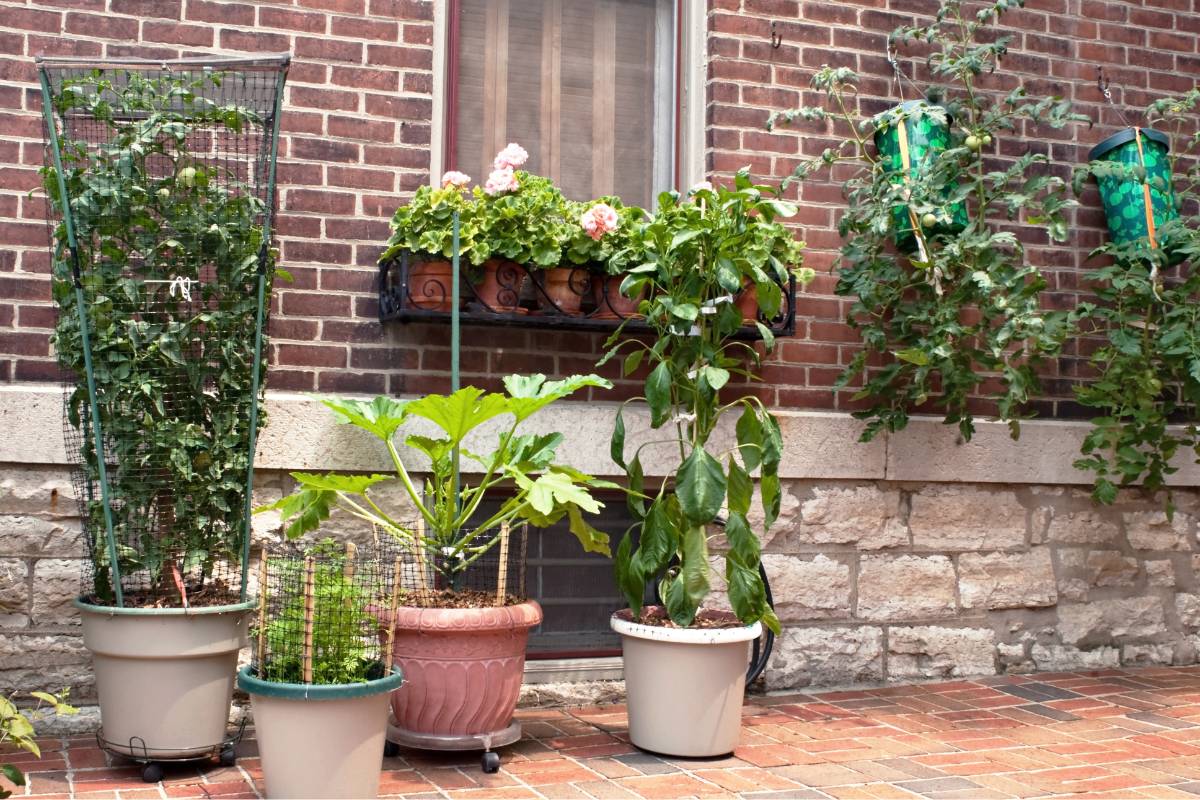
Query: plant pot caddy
{"x": 163, "y": 174}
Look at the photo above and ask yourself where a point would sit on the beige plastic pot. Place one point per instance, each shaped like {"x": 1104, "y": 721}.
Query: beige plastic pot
{"x": 320, "y": 741}
{"x": 685, "y": 686}
{"x": 164, "y": 676}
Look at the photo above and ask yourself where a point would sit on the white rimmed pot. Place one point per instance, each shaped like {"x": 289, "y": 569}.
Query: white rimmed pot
{"x": 320, "y": 741}
{"x": 164, "y": 676}
{"x": 685, "y": 686}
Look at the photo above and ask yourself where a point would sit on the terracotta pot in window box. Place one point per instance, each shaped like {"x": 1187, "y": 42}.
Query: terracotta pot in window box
{"x": 430, "y": 284}
{"x": 747, "y": 301}
{"x": 610, "y": 303}
{"x": 564, "y": 288}
{"x": 501, "y": 286}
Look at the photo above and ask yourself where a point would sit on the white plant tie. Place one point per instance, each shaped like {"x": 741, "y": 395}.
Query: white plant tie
{"x": 710, "y": 306}
{"x": 184, "y": 285}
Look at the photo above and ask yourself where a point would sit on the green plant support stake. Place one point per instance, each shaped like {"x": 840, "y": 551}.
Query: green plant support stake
{"x": 454, "y": 334}
{"x": 97, "y": 435}
{"x": 907, "y": 151}
{"x": 1136, "y": 209}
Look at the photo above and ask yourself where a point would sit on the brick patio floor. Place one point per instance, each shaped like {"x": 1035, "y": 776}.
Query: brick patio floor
{"x": 1111, "y": 733}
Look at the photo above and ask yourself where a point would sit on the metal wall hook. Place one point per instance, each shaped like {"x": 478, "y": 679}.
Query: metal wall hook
{"x": 776, "y": 38}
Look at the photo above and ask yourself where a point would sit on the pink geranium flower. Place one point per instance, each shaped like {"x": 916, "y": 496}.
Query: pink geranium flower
{"x": 702, "y": 186}
{"x": 599, "y": 220}
{"x": 456, "y": 179}
{"x": 512, "y": 157}
{"x": 501, "y": 180}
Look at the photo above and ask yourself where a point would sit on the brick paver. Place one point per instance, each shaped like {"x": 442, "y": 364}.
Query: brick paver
{"x": 1131, "y": 733}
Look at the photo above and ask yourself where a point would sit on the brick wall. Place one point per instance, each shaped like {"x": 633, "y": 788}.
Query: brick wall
{"x": 356, "y": 134}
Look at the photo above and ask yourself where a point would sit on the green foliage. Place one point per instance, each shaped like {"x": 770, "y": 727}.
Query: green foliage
{"x": 527, "y": 226}
{"x": 16, "y": 729}
{"x": 615, "y": 251}
{"x": 700, "y": 251}
{"x": 541, "y": 491}
{"x": 425, "y": 224}
{"x": 963, "y": 311}
{"x": 154, "y": 221}
{"x": 344, "y": 624}
{"x": 1147, "y": 314}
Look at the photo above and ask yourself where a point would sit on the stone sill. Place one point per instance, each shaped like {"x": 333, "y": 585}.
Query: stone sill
{"x": 301, "y": 434}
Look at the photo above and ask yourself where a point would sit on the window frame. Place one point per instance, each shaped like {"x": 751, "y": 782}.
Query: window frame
{"x": 689, "y": 158}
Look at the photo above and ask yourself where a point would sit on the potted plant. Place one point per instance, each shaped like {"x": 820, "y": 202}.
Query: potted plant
{"x": 461, "y": 626}
{"x": 963, "y": 311}
{"x": 320, "y": 665}
{"x": 1143, "y": 320}
{"x": 423, "y": 235}
{"x": 161, "y": 267}
{"x": 685, "y": 667}
{"x": 519, "y": 224}
{"x": 604, "y": 239}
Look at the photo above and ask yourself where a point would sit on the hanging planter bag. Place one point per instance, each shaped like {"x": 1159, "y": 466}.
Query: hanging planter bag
{"x": 1136, "y": 209}
{"x": 908, "y": 148}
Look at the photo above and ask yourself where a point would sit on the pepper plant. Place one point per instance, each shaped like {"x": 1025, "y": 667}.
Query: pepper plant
{"x": 965, "y": 309}
{"x": 1147, "y": 318}
{"x": 699, "y": 251}
{"x": 170, "y": 242}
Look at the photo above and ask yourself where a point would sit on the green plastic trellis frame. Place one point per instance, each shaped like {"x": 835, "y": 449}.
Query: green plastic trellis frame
{"x": 252, "y": 89}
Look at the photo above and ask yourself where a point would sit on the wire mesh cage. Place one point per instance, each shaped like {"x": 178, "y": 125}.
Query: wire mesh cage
{"x": 319, "y": 616}
{"x": 160, "y": 177}
{"x": 474, "y": 569}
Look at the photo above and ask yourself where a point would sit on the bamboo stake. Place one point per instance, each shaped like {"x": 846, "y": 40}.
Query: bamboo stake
{"x": 502, "y": 576}
{"x": 262, "y": 616}
{"x": 348, "y": 568}
{"x": 391, "y": 634}
{"x": 422, "y": 586}
{"x": 309, "y": 602}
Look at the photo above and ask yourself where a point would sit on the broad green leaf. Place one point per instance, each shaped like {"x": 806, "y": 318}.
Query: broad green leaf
{"x": 749, "y": 438}
{"x": 769, "y": 488}
{"x": 528, "y": 394}
{"x": 460, "y": 413}
{"x": 616, "y": 445}
{"x": 591, "y": 539}
{"x": 740, "y": 488}
{"x": 335, "y": 482}
{"x": 715, "y": 376}
{"x": 700, "y": 487}
{"x": 693, "y": 570}
{"x": 381, "y": 417}
{"x": 658, "y": 394}
{"x": 629, "y": 581}
{"x": 14, "y": 775}
{"x": 659, "y": 541}
{"x": 913, "y": 356}
{"x": 742, "y": 541}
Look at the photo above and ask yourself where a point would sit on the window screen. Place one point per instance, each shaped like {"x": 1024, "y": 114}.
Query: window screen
{"x": 586, "y": 86}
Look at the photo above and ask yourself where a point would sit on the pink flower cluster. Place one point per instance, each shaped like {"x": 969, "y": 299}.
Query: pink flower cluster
{"x": 702, "y": 186}
{"x": 512, "y": 157}
{"x": 501, "y": 180}
{"x": 456, "y": 179}
{"x": 599, "y": 220}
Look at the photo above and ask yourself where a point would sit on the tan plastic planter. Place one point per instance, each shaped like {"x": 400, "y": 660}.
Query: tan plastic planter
{"x": 685, "y": 686}
{"x": 320, "y": 741}
{"x": 164, "y": 676}
{"x": 462, "y": 669}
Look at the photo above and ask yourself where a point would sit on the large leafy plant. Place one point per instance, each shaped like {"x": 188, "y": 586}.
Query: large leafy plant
{"x": 425, "y": 225}
{"x": 540, "y": 491}
{"x": 1147, "y": 316}
{"x": 963, "y": 314}
{"x": 612, "y": 251}
{"x": 699, "y": 251}
{"x": 526, "y": 225}
{"x": 170, "y": 247}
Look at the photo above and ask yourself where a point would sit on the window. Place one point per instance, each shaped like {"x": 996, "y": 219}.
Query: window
{"x": 588, "y": 87}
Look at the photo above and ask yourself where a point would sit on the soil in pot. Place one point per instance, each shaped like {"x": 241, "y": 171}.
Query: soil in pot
{"x": 610, "y": 303}
{"x": 501, "y": 286}
{"x": 430, "y": 284}
{"x": 565, "y": 288}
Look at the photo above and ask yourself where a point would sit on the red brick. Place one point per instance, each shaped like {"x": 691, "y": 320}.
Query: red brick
{"x": 175, "y": 33}
{"x": 254, "y": 42}
{"x": 269, "y": 17}
{"x": 220, "y": 12}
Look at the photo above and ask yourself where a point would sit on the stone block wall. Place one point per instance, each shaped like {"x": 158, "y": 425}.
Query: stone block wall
{"x": 883, "y": 581}
{"x": 875, "y": 581}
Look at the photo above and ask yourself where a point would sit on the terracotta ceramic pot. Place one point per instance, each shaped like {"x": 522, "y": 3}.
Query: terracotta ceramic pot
{"x": 565, "y": 288}
{"x": 500, "y": 289}
{"x": 429, "y": 285}
{"x": 747, "y": 301}
{"x": 610, "y": 303}
{"x": 462, "y": 667}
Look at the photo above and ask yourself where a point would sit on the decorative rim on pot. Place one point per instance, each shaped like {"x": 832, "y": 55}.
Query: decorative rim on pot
{"x": 114, "y": 611}
{"x": 1123, "y": 137}
{"x": 308, "y": 691}
{"x": 742, "y": 633}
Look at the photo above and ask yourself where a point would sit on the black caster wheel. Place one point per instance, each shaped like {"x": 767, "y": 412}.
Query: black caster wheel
{"x": 228, "y": 757}
{"x": 491, "y": 762}
{"x": 390, "y": 749}
{"x": 152, "y": 772}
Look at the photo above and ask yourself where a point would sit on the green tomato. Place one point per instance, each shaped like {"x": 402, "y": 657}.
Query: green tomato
{"x": 929, "y": 220}
{"x": 187, "y": 176}
{"x": 973, "y": 142}
{"x": 987, "y": 140}
{"x": 164, "y": 193}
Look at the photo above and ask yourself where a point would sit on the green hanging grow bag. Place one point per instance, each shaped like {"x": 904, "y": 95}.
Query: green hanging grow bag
{"x": 1136, "y": 210}
{"x": 910, "y": 148}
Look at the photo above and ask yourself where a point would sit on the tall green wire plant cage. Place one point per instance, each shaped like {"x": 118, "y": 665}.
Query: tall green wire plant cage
{"x": 161, "y": 181}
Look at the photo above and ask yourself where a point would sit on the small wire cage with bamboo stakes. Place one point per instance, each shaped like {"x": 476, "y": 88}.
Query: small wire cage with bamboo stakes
{"x": 478, "y": 569}
{"x": 318, "y": 616}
